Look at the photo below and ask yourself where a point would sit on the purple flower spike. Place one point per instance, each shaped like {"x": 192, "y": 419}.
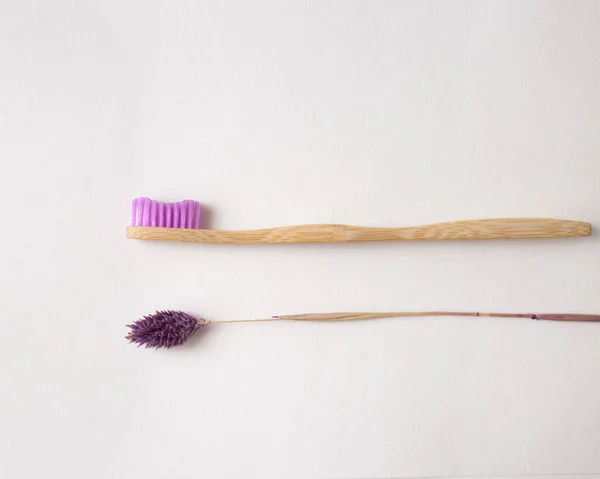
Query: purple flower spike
{"x": 164, "y": 329}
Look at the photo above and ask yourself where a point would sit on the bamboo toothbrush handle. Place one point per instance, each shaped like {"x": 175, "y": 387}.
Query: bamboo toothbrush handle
{"x": 328, "y": 233}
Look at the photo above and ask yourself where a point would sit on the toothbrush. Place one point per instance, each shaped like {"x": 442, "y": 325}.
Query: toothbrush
{"x": 167, "y": 329}
{"x": 180, "y": 221}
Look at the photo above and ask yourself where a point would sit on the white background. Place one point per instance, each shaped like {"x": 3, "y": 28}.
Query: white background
{"x": 383, "y": 113}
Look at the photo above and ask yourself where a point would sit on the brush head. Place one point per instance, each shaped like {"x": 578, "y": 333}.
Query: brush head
{"x": 184, "y": 214}
{"x": 164, "y": 329}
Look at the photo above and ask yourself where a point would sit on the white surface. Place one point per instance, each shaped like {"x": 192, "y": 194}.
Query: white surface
{"x": 275, "y": 113}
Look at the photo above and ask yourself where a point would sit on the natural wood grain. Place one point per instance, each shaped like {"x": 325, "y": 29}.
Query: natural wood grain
{"x": 327, "y": 233}
{"x": 327, "y": 317}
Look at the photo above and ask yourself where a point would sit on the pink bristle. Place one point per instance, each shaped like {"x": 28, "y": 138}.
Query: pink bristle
{"x": 186, "y": 214}
{"x": 138, "y": 206}
{"x": 169, "y": 219}
{"x": 140, "y": 212}
{"x": 182, "y": 214}
{"x": 197, "y": 216}
{"x": 161, "y": 215}
{"x": 191, "y": 208}
{"x": 176, "y": 215}
{"x": 146, "y": 212}
{"x": 153, "y": 213}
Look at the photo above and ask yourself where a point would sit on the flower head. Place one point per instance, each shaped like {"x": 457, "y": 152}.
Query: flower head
{"x": 164, "y": 329}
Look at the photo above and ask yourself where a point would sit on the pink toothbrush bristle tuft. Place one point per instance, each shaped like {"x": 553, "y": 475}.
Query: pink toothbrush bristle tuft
{"x": 183, "y": 214}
